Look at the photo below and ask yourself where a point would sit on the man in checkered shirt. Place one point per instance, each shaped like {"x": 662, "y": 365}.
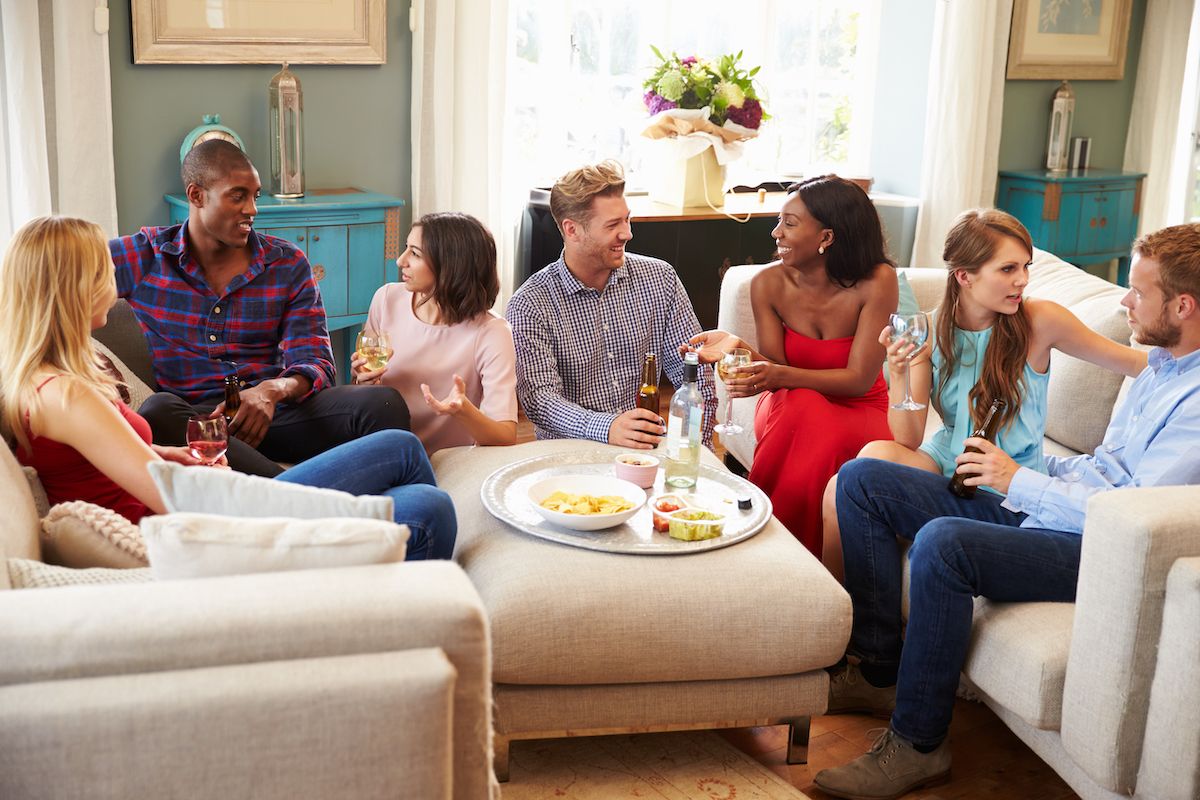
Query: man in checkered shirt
{"x": 583, "y": 324}
{"x": 213, "y": 293}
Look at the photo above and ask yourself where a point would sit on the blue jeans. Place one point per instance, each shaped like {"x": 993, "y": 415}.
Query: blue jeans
{"x": 391, "y": 463}
{"x": 961, "y": 549}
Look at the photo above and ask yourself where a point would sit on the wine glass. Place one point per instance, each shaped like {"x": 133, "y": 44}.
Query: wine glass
{"x": 737, "y": 357}
{"x": 911, "y": 329}
{"x": 207, "y": 438}
{"x": 375, "y": 347}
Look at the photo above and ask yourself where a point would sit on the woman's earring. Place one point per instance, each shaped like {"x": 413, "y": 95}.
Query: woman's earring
{"x": 821, "y": 250}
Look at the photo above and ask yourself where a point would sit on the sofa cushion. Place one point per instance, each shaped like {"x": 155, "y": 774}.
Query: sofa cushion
{"x": 123, "y": 337}
{"x": 20, "y": 525}
{"x": 81, "y": 535}
{"x": 232, "y": 494}
{"x": 1081, "y": 394}
{"x": 24, "y": 573}
{"x": 561, "y": 615}
{"x": 137, "y": 389}
{"x": 1018, "y": 657}
{"x": 204, "y": 545}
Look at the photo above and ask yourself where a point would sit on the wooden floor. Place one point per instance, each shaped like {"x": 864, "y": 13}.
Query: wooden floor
{"x": 989, "y": 760}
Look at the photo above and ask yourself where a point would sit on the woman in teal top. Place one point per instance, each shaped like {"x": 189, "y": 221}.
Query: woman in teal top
{"x": 995, "y": 344}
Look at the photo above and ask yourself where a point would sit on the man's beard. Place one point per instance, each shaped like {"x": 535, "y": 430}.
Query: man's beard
{"x": 1161, "y": 333}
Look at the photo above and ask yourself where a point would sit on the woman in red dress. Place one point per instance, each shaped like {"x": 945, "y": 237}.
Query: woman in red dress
{"x": 817, "y": 370}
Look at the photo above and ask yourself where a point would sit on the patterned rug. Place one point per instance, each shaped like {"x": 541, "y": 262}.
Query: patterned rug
{"x": 692, "y": 765}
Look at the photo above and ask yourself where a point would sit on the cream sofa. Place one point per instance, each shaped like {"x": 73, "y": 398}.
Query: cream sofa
{"x": 369, "y": 682}
{"x": 1104, "y": 689}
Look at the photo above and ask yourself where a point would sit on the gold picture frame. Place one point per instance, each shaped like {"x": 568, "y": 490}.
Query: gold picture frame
{"x": 1069, "y": 39}
{"x": 259, "y": 31}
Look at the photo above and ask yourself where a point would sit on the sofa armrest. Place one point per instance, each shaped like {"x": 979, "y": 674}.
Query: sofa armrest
{"x": 92, "y": 631}
{"x": 1131, "y": 539}
{"x": 1171, "y": 755}
{"x": 374, "y": 725}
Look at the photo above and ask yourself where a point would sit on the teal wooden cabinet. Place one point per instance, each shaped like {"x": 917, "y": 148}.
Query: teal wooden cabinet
{"x": 351, "y": 237}
{"x": 1081, "y": 216}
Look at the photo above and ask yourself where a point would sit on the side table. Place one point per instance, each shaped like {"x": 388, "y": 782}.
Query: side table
{"x": 1082, "y": 216}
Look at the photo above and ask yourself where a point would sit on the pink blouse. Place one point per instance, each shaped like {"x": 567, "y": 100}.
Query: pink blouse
{"x": 480, "y": 350}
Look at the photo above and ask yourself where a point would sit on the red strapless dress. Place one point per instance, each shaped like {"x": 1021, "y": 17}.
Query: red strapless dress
{"x": 804, "y": 436}
{"x": 67, "y": 475}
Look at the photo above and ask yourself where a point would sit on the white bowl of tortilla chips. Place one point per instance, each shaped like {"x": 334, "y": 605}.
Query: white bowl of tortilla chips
{"x": 586, "y": 502}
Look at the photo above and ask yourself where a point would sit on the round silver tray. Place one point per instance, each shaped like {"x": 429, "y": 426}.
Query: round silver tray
{"x": 505, "y": 494}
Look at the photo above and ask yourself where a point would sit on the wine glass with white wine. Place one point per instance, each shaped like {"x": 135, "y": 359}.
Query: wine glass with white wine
{"x": 375, "y": 347}
{"x": 910, "y": 329}
{"x": 737, "y": 357}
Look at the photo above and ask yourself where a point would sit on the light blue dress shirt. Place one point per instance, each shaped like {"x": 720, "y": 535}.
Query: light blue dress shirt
{"x": 579, "y": 351}
{"x": 1152, "y": 440}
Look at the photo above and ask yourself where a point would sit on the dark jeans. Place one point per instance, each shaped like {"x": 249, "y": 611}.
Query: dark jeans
{"x": 298, "y": 431}
{"x": 961, "y": 549}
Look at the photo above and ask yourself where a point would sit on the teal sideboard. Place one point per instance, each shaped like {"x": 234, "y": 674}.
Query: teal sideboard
{"x": 351, "y": 238}
{"x": 1081, "y": 216}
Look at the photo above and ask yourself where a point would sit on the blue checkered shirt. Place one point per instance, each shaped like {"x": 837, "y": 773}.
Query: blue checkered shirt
{"x": 579, "y": 351}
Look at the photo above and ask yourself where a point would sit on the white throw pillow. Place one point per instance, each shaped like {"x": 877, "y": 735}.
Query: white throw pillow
{"x": 202, "y": 545}
{"x": 232, "y": 494}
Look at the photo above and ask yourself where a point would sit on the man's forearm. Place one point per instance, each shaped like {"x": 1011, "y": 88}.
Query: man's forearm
{"x": 287, "y": 388}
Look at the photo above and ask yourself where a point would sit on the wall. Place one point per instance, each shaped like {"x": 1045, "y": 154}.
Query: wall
{"x": 901, "y": 91}
{"x": 1101, "y": 112}
{"x": 356, "y": 118}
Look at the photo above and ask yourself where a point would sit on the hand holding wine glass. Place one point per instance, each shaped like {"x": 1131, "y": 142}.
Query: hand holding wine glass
{"x": 909, "y": 331}
{"x": 726, "y": 369}
{"x": 375, "y": 349}
{"x": 208, "y": 438}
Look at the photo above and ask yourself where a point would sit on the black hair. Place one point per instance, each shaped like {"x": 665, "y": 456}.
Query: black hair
{"x": 211, "y": 160}
{"x": 461, "y": 253}
{"x": 843, "y": 207}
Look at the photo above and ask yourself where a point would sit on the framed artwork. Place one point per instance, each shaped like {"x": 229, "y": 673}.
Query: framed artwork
{"x": 1069, "y": 39}
{"x": 259, "y": 31}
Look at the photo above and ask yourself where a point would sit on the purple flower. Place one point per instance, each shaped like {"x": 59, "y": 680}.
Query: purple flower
{"x": 687, "y": 62}
{"x": 656, "y": 103}
{"x": 748, "y": 115}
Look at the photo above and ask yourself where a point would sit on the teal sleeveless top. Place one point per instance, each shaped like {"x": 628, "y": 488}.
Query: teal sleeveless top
{"x": 1021, "y": 439}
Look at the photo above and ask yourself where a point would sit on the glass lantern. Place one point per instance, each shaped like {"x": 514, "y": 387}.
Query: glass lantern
{"x": 286, "y": 125}
{"x": 1062, "y": 113}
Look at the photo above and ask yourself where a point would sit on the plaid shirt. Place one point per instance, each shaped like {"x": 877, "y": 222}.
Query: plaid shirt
{"x": 270, "y": 319}
{"x": 579, "y": 351}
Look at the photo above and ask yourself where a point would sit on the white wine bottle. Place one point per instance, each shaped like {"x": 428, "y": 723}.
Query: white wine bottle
{"x": 683, "y": 429}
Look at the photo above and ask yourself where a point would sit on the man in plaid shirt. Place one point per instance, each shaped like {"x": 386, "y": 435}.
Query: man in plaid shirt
{"x": 583, "y": 324}
{"x": 214, "y": 297}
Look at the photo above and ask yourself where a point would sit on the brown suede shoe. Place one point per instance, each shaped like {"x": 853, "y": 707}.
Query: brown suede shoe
{"x": 849, "y": 693}
{"x": 891, "y": 768}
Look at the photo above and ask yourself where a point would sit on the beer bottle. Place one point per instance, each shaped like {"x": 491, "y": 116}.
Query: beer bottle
{"x": 648, "y": 393}
{"x": 988, "y": 430}
{"x": 233, "y": 394}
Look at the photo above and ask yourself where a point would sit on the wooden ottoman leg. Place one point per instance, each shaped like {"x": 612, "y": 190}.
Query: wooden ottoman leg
{"x": 500, "y": 756}
{"x": 798, "y": 728}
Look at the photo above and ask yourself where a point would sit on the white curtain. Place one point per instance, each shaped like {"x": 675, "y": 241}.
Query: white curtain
{"x": 56, "y": 153}
{"x": 460, "y": 50}
{"x": 962, "y": 118}
{"x": 1164, "y": 111}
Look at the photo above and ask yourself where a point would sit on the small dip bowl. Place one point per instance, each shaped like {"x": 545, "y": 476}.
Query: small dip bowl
{"x": 663, "y": 507}
{"x": 636, "y": 468}
{"x": 694, "y": 524}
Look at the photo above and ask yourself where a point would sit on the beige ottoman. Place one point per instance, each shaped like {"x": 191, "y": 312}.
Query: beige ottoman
{"x": 586, "y": 642}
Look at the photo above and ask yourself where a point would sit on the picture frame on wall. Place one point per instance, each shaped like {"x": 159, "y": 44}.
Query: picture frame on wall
{"x": 1069, "y": 39}
{"x": 259, "y": 32}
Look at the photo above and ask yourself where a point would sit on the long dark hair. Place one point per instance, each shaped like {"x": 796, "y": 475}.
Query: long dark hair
{"x": 843, "y": 207}
{"x": 462, "y": 255}
{"x": 972, "y": 242}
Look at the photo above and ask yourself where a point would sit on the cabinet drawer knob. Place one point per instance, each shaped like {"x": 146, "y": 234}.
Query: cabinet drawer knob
{"x": 1093, "y": 222}
{"x": 300, "y": 238}
{"x": 318, "y": 272}
{"x": 1103, "y": 222}
{"x": 316, "y": 238}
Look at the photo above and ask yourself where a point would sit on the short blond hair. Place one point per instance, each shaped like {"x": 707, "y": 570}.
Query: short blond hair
{"x": 572, "y": 195}
{"x": 1177, "y": 251}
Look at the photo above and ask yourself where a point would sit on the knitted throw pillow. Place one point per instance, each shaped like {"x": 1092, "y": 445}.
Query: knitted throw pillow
{"x": 25, "y": 573}
{"x": 82, "y": 535}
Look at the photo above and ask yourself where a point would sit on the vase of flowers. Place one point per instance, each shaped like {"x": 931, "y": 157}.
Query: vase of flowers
{"x": 702, "y": 111}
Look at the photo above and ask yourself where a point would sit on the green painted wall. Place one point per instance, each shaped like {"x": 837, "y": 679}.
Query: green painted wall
{"x": 356, "y": 119}
{"x": 1101, "y": 112}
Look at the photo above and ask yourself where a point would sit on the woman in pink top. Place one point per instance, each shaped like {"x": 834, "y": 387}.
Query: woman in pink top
{"x": 448, "y": 344}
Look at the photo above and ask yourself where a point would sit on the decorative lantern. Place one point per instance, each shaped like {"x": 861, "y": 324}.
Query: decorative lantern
{"x": 1062, "y": 113}
{"x": 286, "y": 124}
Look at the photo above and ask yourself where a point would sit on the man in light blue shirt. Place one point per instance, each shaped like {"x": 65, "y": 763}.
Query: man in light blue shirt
{"x": 583, "y": 324}
{"x": 1023, "y": 547}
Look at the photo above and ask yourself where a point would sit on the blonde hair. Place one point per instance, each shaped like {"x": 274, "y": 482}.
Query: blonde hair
{"x": 572, "y": 195}
{"x": 55, "y": 274}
